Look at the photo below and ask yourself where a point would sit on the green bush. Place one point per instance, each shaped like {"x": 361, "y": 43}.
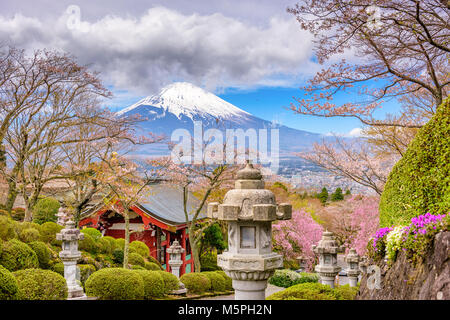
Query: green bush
{"x": 17, "y": 214}
{"x": 171, "y": 281}
{"x": 151, "y": 266}
{"x": 346, "y": 292}
{"x": 85, "y": 272}
{"x": 153, "y": 260}
{"x": 136, "y": 259}
{"x": 104, "y": 246}
{"x": 120, "y": 243}
{"x": 58, "y": 268}
{"x": 218, "y": 282}
{"x": 42, "y": 252}
{"x": 7, "y": 231}
{"x": 49, "y": 231}
{"x": 153, "y": 284}
{"x": 228, "y": 280}
{"x": 117, "y": 256}
{"x": 86, "y": 258}
{"x": 38, "y": 284}
{"x": 208, "y": 261}
{"x": 286, "y": 278}
{"x": 420, "y": 181}
{"x": 16, "y": 255}
{"x": 29, "y": 235}
{"x": 305, "y": 291}
{"x": 45, "y": 210}
{"x": 8, "y": 285}
{"x": 112, "y": 242}
{"x": 88, "y": 244}
{"x": 140, "y": 248}
{"x": 104, "y": 260}
{"x": 115, "y": 284}
{"x": 196, "y": 282}
{"x": 94, "y": 233}
{"x": 136, "y": 267}
{"x": 4, "y": 213}
{"x": 337, "y": 195}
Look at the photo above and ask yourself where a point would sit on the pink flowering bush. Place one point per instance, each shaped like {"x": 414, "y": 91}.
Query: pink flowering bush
{"x": 296, "y": 236}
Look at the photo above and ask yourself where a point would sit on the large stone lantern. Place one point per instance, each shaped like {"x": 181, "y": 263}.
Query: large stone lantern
{"x": 69, "y": 256}
{"x": 249, "y": 210}
{"x": 327, "y": 250}
{"x": 353, "y": 271}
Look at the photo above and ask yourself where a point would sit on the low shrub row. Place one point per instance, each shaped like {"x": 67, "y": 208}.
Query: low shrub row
{"x": 126, "y": 284}
{"x": 209, "y": 281}
{"x": 315, "y": 291}
{"x": 286, "y": 278}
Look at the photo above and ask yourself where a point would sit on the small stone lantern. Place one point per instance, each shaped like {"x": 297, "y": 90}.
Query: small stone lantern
{"x": 69, "y": 256}
{"x": 352, "y": 260}
{"x": 249, "y": 210}
{"x": 363, "y": 264}
{"x": 327, "y": 249}
{"x": 175, "y": 262}
{"x": 302, "y": 262}
{"x": 62, "y": 216}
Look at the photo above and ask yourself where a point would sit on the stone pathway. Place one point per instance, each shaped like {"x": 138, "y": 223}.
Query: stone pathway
{"x": 270, "y": 289}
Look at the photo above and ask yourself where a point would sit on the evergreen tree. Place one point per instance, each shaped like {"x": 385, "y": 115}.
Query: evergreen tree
{"x": 337, "y": 195}
{"x": 323, "y": 195}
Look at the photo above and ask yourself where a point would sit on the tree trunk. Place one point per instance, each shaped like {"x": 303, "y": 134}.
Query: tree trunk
{"x": 12, "y": 189}
{"x": 194, "y": 249}
{"x": 126, "y": 217}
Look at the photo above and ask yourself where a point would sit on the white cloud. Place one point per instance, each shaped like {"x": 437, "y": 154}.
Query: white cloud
{"x": 354, "y": 133}
{"x": 142, "y": 54}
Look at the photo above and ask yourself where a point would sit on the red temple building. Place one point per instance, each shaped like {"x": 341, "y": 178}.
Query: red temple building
{"x": 159, "y": 219}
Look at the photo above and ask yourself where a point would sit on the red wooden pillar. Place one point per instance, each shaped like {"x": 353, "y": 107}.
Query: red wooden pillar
{"x": 167, "y": 247}
{"x": 183, "y": 255}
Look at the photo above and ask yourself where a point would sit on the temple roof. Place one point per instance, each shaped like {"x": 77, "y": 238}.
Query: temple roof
{"x": 164, "y": 202}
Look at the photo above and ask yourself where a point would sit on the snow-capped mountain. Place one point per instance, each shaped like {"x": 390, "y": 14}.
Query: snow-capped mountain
{"x": 180, "y": 104}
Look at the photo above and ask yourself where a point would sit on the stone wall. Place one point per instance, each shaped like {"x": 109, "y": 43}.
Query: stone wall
{"x": 429, "y": 280}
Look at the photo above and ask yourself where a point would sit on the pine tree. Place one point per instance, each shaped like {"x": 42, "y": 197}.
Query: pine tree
{"x": 337, "y": 195}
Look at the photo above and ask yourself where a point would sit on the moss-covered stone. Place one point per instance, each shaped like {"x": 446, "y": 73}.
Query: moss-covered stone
{"x": 420, "y": 181}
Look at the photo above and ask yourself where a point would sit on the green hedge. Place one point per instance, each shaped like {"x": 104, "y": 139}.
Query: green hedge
{"x": 218, "y": 282}
{"x": 8, "y": 285}
{"x": 7, "y": 231}
{"x": 16, "y": 255}
{"x": 154, "y": 286}
{"x": 85, "y": 272}
{"x": 38, "y": 284}
{"x": 42, "y": 252}
{"x": 94, "y": 233}
{"x": 151, "y": 266}
{"x": 45, "y": 210}
{"x": 314, "y": 291}
{"x": 420, "y": 181}
{"x": 29, "y": 235}
{"x": 136, "y": 259}
{"x": 115, "y": 284}
{"x": 88, "y": 244}
{"x": 228, "y": 280}
{"x": 171, "y": 281}
{"x": 104, "y": 246}
{"x": 49, "y": 231}
{"x": 140, "y": 248}
{"x": 58, "y": 268}
{"x": 196, "y": 282}
{"x": 117, "y": 256}
{"x": 286, "y": 278}
{"x": 112, "y": 242}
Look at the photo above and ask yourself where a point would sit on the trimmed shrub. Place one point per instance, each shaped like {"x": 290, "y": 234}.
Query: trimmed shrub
{"x": 8, "y": 285}
{"x": 305, "y": 291}
{"x": 104, "y": 245}
{"x": 7, "y": 231}
{"x": 286, "y": 278}
{"x": 137, "y": 268}
{"x": 420, "y": 181}
{"x": 153, "y": 284}
{"x": 153, "y": 260}
{"x": 171, "y": 281}
{"x": 120, "y": 243}
{"x": 228, "y": 280}
{"x": 112, "y": 242}
{"x": 29, "y": 235}
{"x": 85, "y": 272}
{"x": 38, "y": 284}
{"x": 49, "y": 231}
{"x": 196, "y": 282}
{"x": 117, "y": 256}
{"x": 136, "y": 259}
{"x": 87, "y": 259}
{"x": 17, "y": 214}
{"x": 17, "y": 255}
{"x": 88, "y": 244}
{"x": 115, "y": 284}
{"x": 151, "y": 266}
{"x": 104, "y": 260}
{"x": 42, "y": 252}
{"x": 140, "y": 248}
{"x": 218, "y": 283}
{"x": 4, "y": 213}
{"x": 58, "y": 268}
{"x": 346, "y": 292}
{"x": 45, "y": 210}
{"x": 94, "y": 233}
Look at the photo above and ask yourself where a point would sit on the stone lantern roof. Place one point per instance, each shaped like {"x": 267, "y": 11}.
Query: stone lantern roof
{"x": 327, "y": 244}
{"x": 249, "y": 201}
{"x": 175, "y": 248}
{"x": 70, "y": 233}
{"x": 352, "y": 256}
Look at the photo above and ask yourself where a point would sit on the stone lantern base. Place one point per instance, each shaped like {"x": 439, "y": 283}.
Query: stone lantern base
{"x": 249, "y": 290}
